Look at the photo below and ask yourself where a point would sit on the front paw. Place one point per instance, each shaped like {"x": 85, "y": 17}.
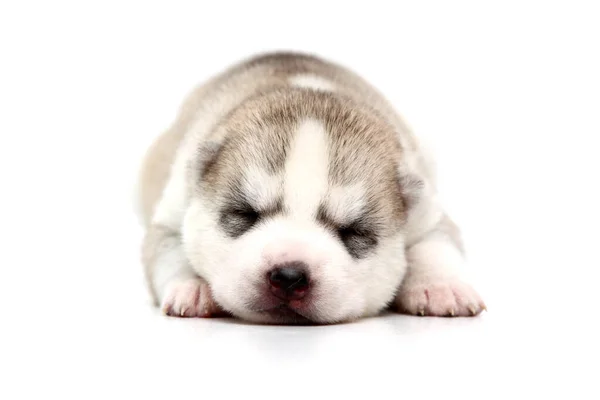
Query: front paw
{"x": 190, "y": 298}
{"x": 439, "y": 297}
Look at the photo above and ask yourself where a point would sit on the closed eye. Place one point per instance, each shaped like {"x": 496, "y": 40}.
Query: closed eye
{"x": 357, "y": 241}
{"x": 357, "y": 237}
{"x": 346, "y": 232}
{"x": 237, "y": 221}
{"x": 248, "y": 215}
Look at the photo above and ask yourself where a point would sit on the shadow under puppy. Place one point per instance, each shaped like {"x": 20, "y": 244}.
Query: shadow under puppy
{"x": 288, "y": 190}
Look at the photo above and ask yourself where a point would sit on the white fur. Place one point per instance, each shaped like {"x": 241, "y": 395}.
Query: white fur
{"x": 306, "y": 170}
{"x": 235, "y": 268}
{"x": 171, "y": 265}
{"x": 190, "y": 298}
{"x": 343, "y": 288}
{"x": 436, "y": 258}
{"x": 261, "y": 187}
{"x": 310, "y": 81}
{"x": 435, "y": 283}
{"x": 171, "y": 207}
{"x": 346, "y": 203}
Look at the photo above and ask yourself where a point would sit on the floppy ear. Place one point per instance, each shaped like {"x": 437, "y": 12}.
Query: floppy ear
{"x": 207, "y": 156}
{"x": 204, "y": 160}
{"x": 420, "y": 204}
{"x": 412, "y": 188}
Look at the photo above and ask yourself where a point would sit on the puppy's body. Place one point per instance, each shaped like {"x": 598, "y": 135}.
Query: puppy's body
{"x": 288, "y": 189}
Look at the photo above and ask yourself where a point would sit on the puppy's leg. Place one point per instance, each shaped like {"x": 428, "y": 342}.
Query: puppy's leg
{"x": 174, "y": 285}
{"x": 433, "y": 284}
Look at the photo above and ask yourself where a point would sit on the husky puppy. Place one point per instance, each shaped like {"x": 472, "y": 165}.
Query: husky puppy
{"x": 288, "y": 190}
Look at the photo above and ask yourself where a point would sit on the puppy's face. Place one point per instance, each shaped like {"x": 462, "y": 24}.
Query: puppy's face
{"x": 297, "y": 213}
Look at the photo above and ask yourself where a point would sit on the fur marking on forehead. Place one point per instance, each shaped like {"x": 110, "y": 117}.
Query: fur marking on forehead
{"x": 307, "y": 169}
{"x": 262, "y": 189}
{"x": 312, "y": 82}
{"x": 346, "y": 203}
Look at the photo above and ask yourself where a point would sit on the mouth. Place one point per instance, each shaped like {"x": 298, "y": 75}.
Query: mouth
{"x": 284, "y": 314}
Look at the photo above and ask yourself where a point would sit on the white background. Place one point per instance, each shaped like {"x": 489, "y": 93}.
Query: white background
{"x": 508, "y": 94}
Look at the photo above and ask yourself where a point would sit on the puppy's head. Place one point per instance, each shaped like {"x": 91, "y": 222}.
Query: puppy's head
{"x": 298, "y": 211}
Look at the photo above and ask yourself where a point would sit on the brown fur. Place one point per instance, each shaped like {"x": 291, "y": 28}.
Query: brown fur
{"x": 254, "y": 97}
{"x": 262, "y": 72}
{"x": 364, "y": 148}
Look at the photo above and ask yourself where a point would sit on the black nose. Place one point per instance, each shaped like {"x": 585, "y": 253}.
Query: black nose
{"x": 289, "y": 281}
